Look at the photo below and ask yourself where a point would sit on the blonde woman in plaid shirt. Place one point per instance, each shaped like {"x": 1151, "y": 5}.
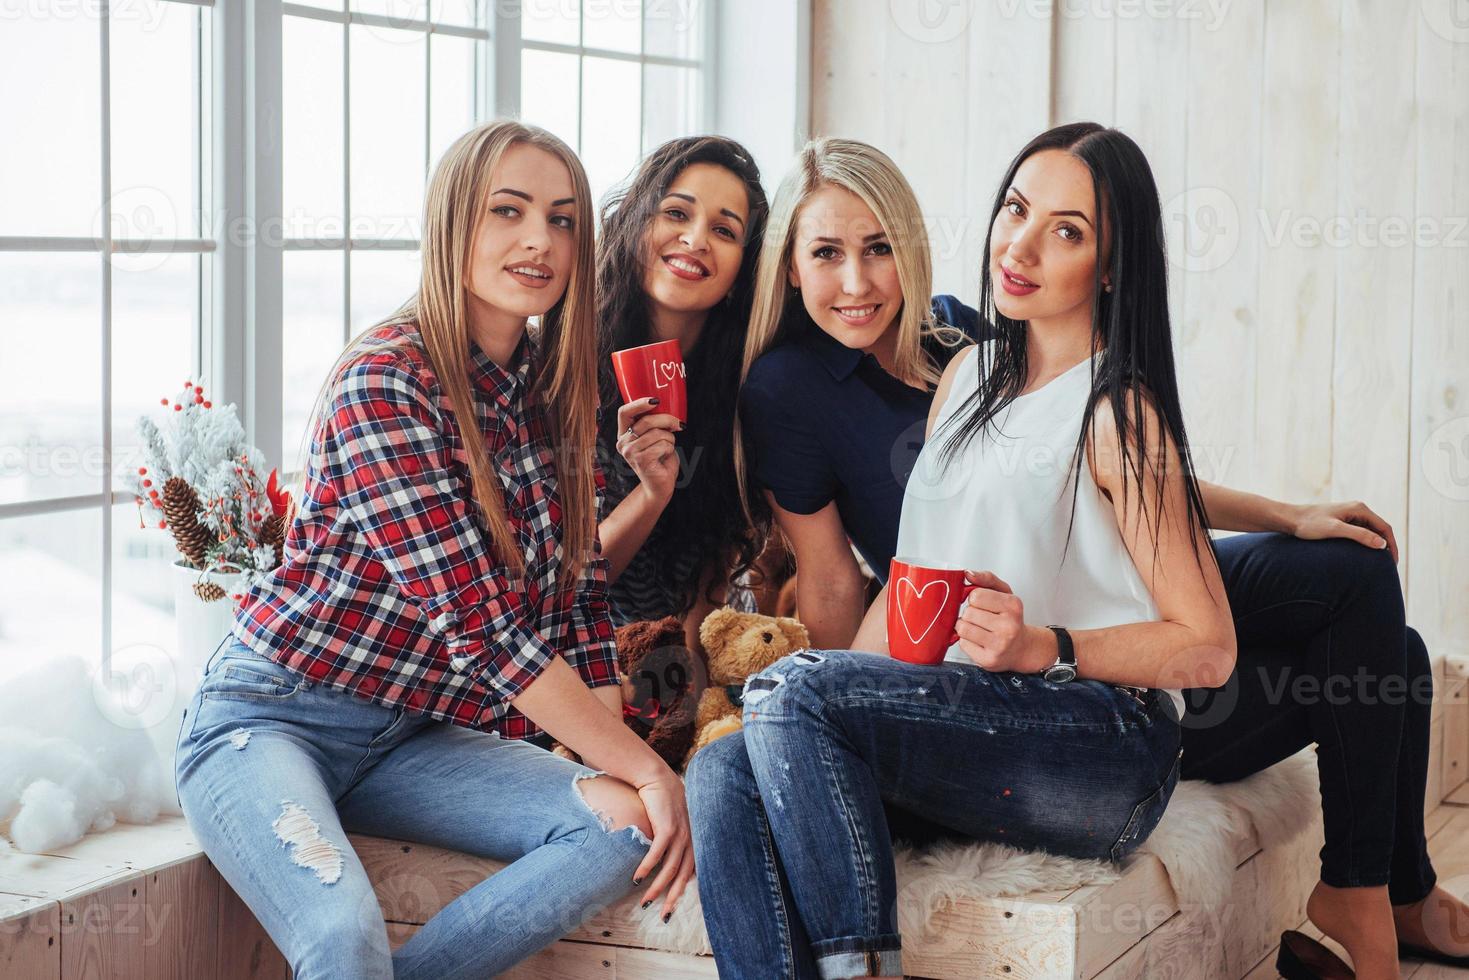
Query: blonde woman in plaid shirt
{"x": 443, "y": 599}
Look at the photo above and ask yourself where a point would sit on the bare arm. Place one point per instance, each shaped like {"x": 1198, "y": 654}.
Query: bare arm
{"x": 829, "y": 589}
{"x": 649, "y": 449}
{"x": 577, "y": 717}
{"x": 872, "y": 636}
{"x": 1236, "y": 510}
{"x": 626, "y": 529}
{"x": 1193, "y": 643}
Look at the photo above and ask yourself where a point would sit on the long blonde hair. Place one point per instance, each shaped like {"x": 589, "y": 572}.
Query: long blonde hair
{"x": 869, "y": 173}
{"x": 565, "y": 385}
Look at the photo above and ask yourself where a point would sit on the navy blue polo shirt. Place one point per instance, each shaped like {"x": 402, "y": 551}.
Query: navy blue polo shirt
{"x": 824, "y": 422}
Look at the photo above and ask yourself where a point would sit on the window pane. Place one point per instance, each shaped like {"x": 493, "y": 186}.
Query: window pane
{"x": 388, "y": 132}
{"x": 382, "y": 281}
{"x": 609, "y": 121}
{"x": 550, "y": 20}
{"x": 313, "y": 323}
{"x": 49, "y": 68}
{"x": 155, "y": 302}
{"x": 51, "y": 606}
{"x": 548, "y": 92}
{"x": 311, "y": 70}
{"x": 672, "y": 99}
{"x": 675, "y": 28}
{"x": 463, "y": 13}
{"x": 451, "y": 94}
{"x": 50, "y": 375}
{"x": 324, "y": 4}
{"x": 399, "y": 10}
{"x": 155, "y": 119}
{"x": 613, "y": 24}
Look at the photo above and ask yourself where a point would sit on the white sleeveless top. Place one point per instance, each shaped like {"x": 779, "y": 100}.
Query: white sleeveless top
{"x": 1004, "y": 502}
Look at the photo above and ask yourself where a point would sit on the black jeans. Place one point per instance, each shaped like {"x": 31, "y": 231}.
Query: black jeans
{"x": 1325, "y": 656}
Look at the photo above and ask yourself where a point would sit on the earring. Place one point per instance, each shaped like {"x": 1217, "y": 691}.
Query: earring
{"x": 1107, "y": 287}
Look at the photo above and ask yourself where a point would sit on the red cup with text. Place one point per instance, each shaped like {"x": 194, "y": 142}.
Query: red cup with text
{"x": 653, "y": 370}
{"x": 923, "y": 609}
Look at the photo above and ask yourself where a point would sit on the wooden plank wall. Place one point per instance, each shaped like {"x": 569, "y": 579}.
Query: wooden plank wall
{"x": 1313, "y": 161}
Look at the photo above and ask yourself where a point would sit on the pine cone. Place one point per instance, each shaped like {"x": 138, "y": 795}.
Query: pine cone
{"x": 273, "y": 534}
{"x": 209, "y": 591}
{"x": 181, "y": 510}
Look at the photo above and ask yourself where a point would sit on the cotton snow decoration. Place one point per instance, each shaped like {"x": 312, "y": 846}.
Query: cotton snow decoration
{"x": 79, "y": 754}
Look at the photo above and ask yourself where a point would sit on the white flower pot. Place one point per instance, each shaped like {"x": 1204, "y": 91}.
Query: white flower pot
{"x": 201, "y": 625}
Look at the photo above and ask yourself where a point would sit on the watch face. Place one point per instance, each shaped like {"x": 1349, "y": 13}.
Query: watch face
{"x": 1060, "y": 673}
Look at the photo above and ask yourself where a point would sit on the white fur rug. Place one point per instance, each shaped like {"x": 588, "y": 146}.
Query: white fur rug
{"x": 1195, "y": 841}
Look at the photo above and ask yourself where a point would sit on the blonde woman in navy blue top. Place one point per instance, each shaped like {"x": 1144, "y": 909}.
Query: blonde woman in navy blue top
{"x": 831, "y": 434}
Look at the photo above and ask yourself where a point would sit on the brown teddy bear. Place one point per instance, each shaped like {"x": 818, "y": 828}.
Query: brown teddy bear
{"x": 738, "y": 644}
{"x": 661, "y": 682}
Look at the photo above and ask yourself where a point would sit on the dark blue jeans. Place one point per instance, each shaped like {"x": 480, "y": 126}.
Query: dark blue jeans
{"x": 1325, "y": 657}
{"x": 791, "y": 815}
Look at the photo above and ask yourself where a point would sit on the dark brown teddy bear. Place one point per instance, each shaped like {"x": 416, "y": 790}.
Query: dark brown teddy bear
{"x": 661, "y": 683}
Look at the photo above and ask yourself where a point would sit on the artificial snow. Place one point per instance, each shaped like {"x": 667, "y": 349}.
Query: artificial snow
{"x": 80, "y": 752}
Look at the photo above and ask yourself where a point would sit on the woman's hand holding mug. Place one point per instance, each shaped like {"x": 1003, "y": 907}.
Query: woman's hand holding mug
{"x": 645, "y": 438}
{"x": 992, "y": 630}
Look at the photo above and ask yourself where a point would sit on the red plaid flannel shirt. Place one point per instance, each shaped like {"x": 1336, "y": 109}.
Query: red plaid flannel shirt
{"x": 389, "y": 588}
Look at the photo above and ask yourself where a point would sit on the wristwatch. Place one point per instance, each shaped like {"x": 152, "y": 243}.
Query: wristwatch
{"x": 1064, "y": 669}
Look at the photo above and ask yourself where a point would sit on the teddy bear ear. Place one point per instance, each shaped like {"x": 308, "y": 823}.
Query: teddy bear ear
{"x": 795, "y": 632}
{"x": 722, "y": 624}
{"x": 669, "y": 630}
{"x": 634, "y": 640}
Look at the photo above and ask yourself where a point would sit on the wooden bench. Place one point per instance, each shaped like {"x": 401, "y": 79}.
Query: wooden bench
{"x": 143, "y": 901}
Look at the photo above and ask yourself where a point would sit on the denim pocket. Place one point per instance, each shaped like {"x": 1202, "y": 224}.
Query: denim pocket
{"x": 251, "y": 678}
{"x": 1145, "y": 815}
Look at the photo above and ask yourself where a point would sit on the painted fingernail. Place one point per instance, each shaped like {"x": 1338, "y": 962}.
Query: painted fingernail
{"x": 653, "y": 401}
{"x": 646, "y": 904}
{"x": 637, "y": 881}
{"x": 666, "y": 917}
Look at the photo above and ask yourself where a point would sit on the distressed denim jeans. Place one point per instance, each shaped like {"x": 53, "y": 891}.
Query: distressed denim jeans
{"x": 794, "y": 816}
{"x": 273, "y": 771}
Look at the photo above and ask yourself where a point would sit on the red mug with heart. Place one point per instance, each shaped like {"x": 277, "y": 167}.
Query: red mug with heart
{"x": 923, "y": 609}
{"x": 653, "y": 370}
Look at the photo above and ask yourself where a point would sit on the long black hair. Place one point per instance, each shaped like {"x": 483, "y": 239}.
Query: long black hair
{"x": 703, "y": 518}
{"x": 1130, "y": 323}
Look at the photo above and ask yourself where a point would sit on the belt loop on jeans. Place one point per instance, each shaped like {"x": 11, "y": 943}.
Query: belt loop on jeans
{"x": 228, "y": 639}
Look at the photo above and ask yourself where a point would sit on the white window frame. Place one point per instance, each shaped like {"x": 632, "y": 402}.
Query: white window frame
{"x": 105, "y": 246}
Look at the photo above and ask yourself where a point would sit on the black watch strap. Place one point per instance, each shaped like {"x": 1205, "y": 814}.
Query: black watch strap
{"x": 1064, "y": 669}
{"x": 1065, "y": 649}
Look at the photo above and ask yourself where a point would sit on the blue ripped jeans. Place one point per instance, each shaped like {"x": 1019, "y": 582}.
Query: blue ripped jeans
{"x": 841, "y": 752}
{"x": 274, "y": 770}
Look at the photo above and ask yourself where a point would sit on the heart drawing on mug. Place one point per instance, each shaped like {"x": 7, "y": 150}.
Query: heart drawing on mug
{"x": 665, "y": 371}
{"x": 919, "y": 606}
